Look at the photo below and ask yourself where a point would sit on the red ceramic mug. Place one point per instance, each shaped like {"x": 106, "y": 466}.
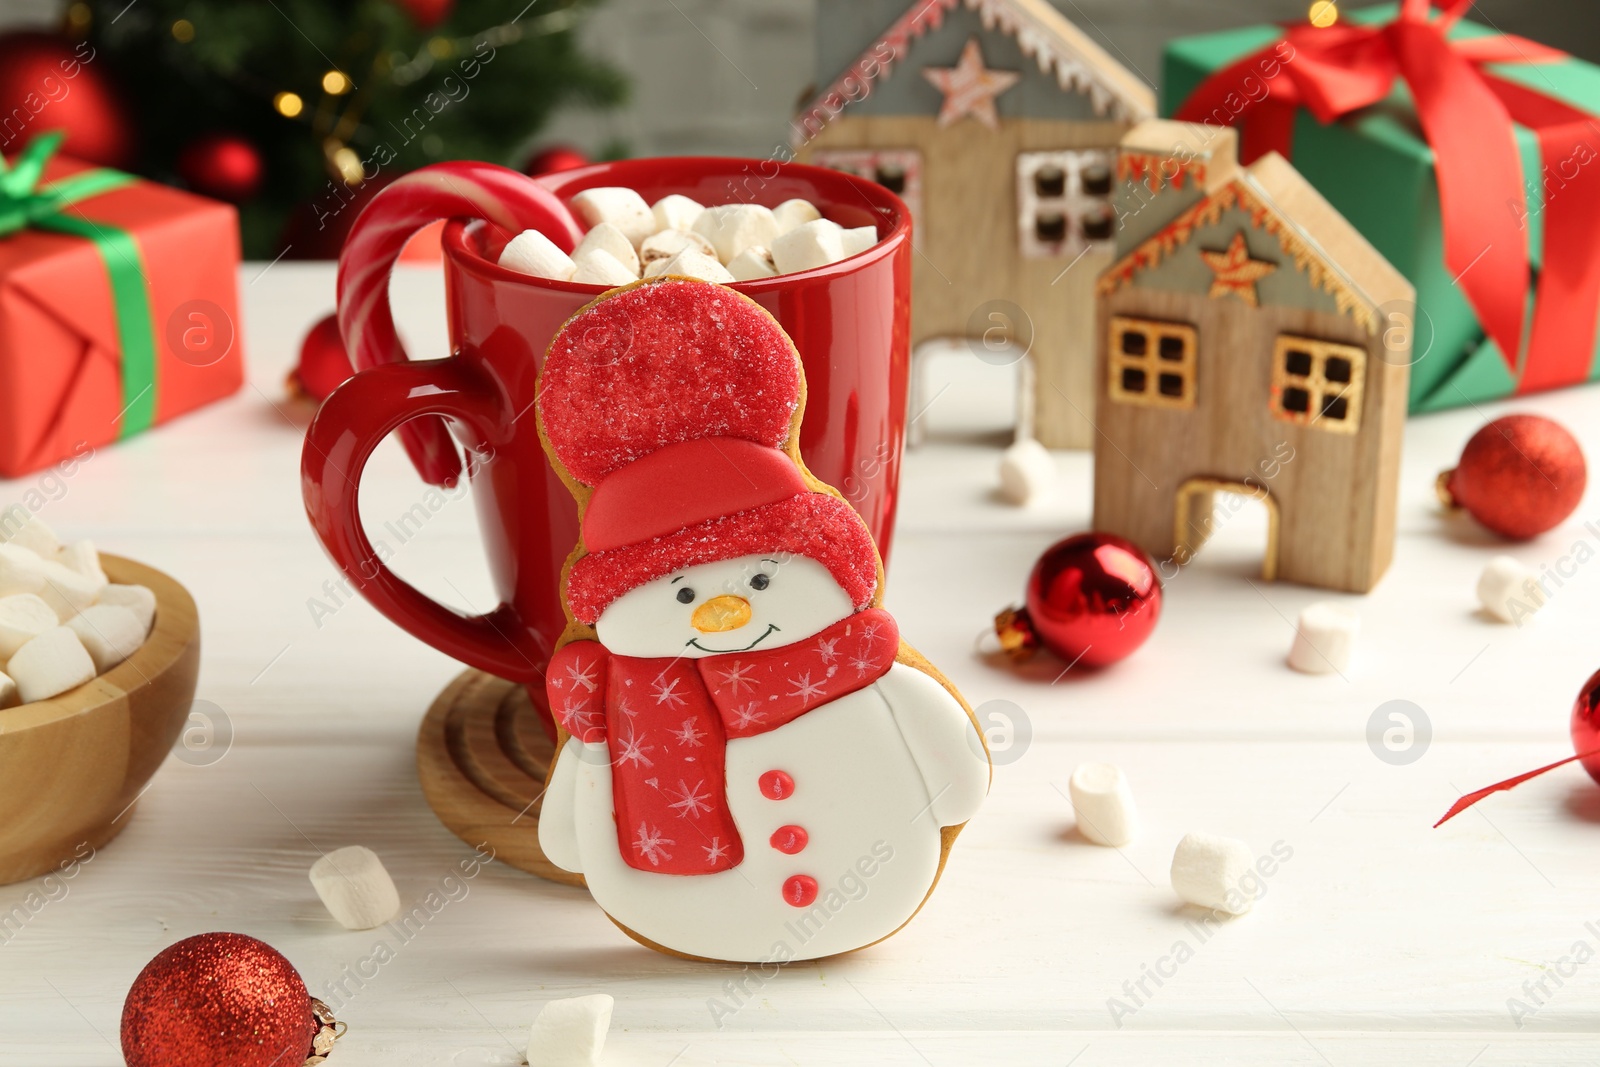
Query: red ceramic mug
{"x": 850, "y": 322}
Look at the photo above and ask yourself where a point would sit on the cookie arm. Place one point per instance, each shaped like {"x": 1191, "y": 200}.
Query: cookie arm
{"x": 558, "y": 815}
{"x": 942, "y": 741}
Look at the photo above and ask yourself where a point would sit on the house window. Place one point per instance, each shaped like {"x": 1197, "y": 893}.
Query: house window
{"x": 898, "y": 170}
{"x": 1152, "y": 362}
{"x": 1064, "y": 202}
{"x": 1318, "y": 383}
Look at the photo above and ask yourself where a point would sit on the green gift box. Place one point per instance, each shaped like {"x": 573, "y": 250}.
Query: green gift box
{"x": 1376, "y": 167}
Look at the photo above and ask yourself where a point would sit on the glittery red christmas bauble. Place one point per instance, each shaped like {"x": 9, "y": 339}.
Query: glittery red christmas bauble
{"x": 49, "y": 83}
{"x": 218, "y": 999}
{"x": 1091, "y": 599}
{"x": 553, "y": 159}
{"x": 1520, "y": 476}
{"x": 222, "y": 165}
{"x": 1586, "y": 725}
{"x": 324, "y": 364}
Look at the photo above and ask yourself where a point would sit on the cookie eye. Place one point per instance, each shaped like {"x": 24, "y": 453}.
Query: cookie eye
{"x": 760, "y": 581}
{"x": 686, "y": 595}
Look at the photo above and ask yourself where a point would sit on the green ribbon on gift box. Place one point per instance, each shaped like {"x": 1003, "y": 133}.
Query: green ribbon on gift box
{"x": 24, "y": 205}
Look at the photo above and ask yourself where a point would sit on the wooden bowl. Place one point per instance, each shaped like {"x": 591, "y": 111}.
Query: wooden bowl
{"x": 71, "y": 767}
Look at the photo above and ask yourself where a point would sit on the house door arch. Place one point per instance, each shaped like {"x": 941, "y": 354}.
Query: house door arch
{"x": 1196, "y": 506}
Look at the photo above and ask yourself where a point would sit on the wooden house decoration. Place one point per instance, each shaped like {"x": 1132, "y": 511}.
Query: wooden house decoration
{"x": 997, "y": 122}
{"x": 1249, "y": 341}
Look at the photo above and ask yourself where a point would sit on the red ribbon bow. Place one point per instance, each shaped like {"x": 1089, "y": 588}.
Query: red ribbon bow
{"x": 1467, "y": 115}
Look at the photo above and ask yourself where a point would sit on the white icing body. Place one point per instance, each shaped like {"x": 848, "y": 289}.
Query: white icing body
{"x": 876, "y": 773}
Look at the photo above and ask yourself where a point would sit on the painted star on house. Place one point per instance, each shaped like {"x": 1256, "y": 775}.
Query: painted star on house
{"x": 970, "y": 88}
{"x": 1236, "y": 273}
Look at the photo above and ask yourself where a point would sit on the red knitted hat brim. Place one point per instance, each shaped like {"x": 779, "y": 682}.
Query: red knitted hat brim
{"x": 815, "y": 525}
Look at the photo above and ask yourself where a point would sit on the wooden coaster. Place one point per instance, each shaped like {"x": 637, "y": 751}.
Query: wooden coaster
{"x": 482, "y": 757}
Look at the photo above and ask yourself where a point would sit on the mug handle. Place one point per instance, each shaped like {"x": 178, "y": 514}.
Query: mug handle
{"x": 348, "y": 426}
{"x": 506, "y": 198}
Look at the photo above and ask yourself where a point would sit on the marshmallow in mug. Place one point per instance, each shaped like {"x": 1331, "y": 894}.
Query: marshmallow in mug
{"x": 728, "y": 242}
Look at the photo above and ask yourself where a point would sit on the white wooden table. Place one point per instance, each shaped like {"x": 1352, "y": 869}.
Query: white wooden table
{"x": 1380, "y": 940}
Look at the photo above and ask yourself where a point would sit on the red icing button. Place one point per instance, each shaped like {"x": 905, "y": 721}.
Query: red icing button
{"x": 801, "y": 890}
{"x": 776, "y": 785}
{"x": 790, "y": 839}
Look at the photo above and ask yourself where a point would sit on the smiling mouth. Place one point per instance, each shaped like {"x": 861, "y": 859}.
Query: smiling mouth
{"x": 695, "y": 641}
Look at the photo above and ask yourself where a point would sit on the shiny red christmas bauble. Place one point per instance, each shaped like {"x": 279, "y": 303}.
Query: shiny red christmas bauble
{"x": 222, "y": 165}
{"x": 1520, "y": 476}
{"x": 427, "y": 13}
{"x": 324, "y": 364}
{"x": 1091, "y": 599}
{"x": 555, "y": 158}
{"x": 215, "y": 999}
{"x": 1586, "y": 726}
{"x": 49, "y": 83}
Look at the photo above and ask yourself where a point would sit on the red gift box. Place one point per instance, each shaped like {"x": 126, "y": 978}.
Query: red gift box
{"x": 119, "y": 307}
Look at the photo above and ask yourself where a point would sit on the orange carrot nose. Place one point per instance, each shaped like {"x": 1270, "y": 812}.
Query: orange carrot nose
{"x": 721, "y": 613}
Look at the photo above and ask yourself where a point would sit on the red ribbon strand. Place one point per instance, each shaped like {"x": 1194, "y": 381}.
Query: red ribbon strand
{"x": 1468, "y": 116}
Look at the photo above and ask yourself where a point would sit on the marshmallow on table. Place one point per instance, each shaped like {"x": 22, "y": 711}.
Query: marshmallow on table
{"x": 676, "y": 212}
{"x": 67, "y": 591}
{"x": 570, "y": 1033}
{"x": 732, "y": 228}
{"x": 110, "y": 634}
{"x": 80, "y": 556}
{"x": 21, "y": 570}
{"x": 8, "y": 692}
{"x": 807, "y": 246}
{"x": 1104, "y": 804}
{"x": 608, "y": 238}
{"x": 136, "y": 598}
{"x": 1027, "y": 472}
{"x": 621, "y": 207}
{"x": 356, "y": 888}
{"x": 754, "y": 262}
{"x": 668, "y": 243}
{"x": 1207, "y": 870}
{"x": 1325, "y": 638}
{"x": 599, "y": 267}
{"x": 1508, "y": 590}
{"x": 49, "y": 665}
{"x": 858, "y": 239}
{"x": 792, "y": 213}
{"x": 28, "y": 531}
{"x": 23, "y": 617}
{"x": 531, "y": 252}
{"x": 691, "y": 264}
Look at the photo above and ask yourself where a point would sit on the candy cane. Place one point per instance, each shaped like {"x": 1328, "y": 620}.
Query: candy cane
{"x": 505, "y": 198}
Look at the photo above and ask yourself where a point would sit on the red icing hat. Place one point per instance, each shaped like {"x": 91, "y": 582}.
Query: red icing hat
{"x": 672, "y": 401}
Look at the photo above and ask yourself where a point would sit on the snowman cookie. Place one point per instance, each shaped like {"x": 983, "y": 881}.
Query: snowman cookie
{"x": 753, "y": 766}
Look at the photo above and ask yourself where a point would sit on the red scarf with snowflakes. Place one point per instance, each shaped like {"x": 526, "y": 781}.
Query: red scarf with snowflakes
{"x": 667, "y": 723}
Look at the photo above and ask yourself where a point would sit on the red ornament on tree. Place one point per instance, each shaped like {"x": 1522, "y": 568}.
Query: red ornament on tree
{"x": 555, "y": 158}
{"x": 49, "y": 83}
{"x": 427, "y": 13}
{"x": 324, "y": 364}
{"x": 222, "y": 165}
{"x": 1520, "y": 476}
{"x": 223, "y": 998}
{"x": 1091, "y": 599}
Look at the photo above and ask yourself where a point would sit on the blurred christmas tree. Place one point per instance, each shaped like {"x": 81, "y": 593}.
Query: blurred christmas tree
{"x": 298, "y": 110}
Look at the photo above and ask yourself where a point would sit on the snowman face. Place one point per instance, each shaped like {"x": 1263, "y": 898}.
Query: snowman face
{"x": 734, "y": 605}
